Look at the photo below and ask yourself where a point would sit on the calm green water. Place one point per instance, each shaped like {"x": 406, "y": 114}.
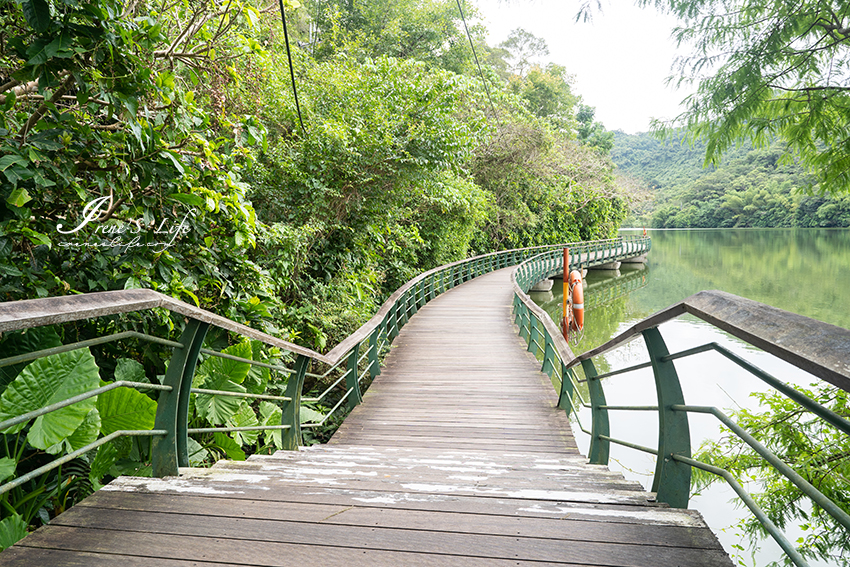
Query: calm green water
{"x": 799, "y": 270}
{"x": 806, "y": 271}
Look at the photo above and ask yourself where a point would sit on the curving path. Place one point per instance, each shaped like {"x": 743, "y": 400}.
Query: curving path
{"x": 457, "y": 456}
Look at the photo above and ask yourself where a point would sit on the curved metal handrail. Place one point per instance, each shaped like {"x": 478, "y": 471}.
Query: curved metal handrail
{"x": 820, "y": 349}
{"x": 170, "y": 433}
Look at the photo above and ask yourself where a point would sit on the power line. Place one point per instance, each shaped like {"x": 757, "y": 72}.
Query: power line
{"x": 474, "y": 54}
{"x": 291, "y": 69}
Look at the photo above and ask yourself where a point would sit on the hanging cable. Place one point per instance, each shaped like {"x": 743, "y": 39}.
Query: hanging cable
{"x": 291, "y": 68}
{"x": 474, "y": 54}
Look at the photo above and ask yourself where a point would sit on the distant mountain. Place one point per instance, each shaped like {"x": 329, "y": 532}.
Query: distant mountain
{"x": 752, "y": 187}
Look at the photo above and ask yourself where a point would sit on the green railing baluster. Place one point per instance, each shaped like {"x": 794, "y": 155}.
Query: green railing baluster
{"x": 416, "y": 293}
{"x": 171, "y": 451}
{"x": 565, "y": 395}
{"x": 599, "y": 447}
{"x": 374, "y": 358}
{"x": 523, "y": 322}
{"x": 392, "y": 323}
{"x": 351, "y": 382}
{"x": 533, "y": 333}
{"x": 672, "y": 479}
{"x": 404, "y": 302}
{"x": 292, "y": 410}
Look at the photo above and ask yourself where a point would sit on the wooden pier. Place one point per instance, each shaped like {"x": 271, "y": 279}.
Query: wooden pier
{"x": 457, "y": 456}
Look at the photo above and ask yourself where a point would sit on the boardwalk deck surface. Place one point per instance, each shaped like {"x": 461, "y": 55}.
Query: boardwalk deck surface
{"x": 458, "y": 456}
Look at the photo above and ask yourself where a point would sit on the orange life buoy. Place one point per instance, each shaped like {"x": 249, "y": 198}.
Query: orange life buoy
{"x": 577, "y": 320}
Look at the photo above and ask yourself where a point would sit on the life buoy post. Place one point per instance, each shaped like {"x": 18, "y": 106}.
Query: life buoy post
{"x": 576, "y": 292}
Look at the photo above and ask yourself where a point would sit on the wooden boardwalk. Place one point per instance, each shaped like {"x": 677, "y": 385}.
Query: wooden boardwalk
{"x": 458, "y": 456}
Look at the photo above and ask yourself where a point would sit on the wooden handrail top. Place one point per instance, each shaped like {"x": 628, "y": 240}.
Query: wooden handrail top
{"x": 819, "y": 348}
{"x": 28, "y": 313}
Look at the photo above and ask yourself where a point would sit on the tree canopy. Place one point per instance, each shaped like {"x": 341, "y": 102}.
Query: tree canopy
{"x": 752, "y": 187}
{"x": 768, "y": 71}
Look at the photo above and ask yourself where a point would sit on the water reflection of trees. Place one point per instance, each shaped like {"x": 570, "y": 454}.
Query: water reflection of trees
{"x": 606, "y": 291}
{"x": 796, "y": 270}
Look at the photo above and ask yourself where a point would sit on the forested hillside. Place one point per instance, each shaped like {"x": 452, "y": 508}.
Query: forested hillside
{"x": 752, "y": 187}
{"x": 159, "y": 145}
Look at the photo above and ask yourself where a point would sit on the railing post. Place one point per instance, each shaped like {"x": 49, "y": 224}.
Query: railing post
{"x": 548, "y": 356}
{"x": 171, "y": 451}
{"x": 432, "y": 286}
{"x": 404, "y": 301}
{"x": 523, "y": 327}
{"x": 415, "y": 292}
{"x": 291, "y": 437}
{"x": 565, "y": 396}
{"x": 392, "y": 322}
{"x": 599, "y": 447}
{"x": 672, "y": 481}
{"x": 533, "y": 331}
{"x": 352, "y": 381}
{"x": 374, "y": 361}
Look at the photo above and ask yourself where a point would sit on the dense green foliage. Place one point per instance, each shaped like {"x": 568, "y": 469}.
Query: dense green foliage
{"x": 768, "y": 71}
{"x": 816, "y": 451}
{"x": 156, "y": 145}
{"x": 751, "y": 188}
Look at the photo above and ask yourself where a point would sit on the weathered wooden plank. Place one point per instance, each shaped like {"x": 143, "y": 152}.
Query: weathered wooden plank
{"x": 229, "y": 551}
{"x": 264, "y": 532}
{"x": 364, "y": 515}
{"x": 33, "y": 556}
{"x": 650, "y": 514}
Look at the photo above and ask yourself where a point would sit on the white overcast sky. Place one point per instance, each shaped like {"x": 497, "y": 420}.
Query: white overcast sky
{"x": 619, "y": 60}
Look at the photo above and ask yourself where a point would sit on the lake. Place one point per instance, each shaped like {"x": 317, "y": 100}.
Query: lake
{"x": 806, "y": 271}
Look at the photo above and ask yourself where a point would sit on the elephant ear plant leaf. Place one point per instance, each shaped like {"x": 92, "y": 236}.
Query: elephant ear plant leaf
{"x": 47, "y": 381}
{"x": 222, "y": 374}
{"x": 12, "y": 529}
{"x": 24, "y": 342}
{"x": 125, "y": 409}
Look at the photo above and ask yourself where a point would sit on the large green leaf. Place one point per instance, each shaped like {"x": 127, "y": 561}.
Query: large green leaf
{"x": 12, "y": 530}
{"x": 258, "y": 376}
{"x": 104, "y": 459}
{"x": 37, "y": 14}
{"x": 7, "y": 468}
{"x": 19, "y": 197}
{"x": 215, "y": 368}
{"x": 87, "y": 432}
{"x": 310, "y": 415}
{"x": 197, "y": 453}
{"x": 218, "y": 409}
{"x": 125, "y": 408}
{"x": 229, "y": 446}
{"x": 24, "y": 342}
{"x": 47, "y": 381}
{"x": 272, "y": 415}
{"x": 245, "y": 417}
{"x": 130, "y": 370}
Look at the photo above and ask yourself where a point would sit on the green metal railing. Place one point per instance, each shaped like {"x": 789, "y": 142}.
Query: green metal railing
{"x": 820, "y": 349}
{"x": 355, "y": 360}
